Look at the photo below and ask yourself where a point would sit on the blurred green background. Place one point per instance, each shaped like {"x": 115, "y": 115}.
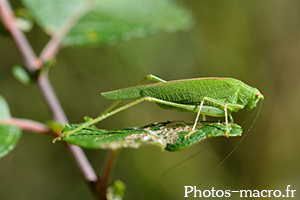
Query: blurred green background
{"x": 255, "y": 41}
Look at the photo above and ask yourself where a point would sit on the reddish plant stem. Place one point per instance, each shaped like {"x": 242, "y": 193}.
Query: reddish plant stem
{"x": 52, "y": 47}
{"x": 59, "y": 115}
{"x": 112, "y": 156}
{"x": 51, "y": 99}
{"x": 33, "y": 63}
{"x": 27, "y": 124}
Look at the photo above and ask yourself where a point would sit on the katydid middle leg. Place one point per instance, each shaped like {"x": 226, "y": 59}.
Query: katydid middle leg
{"x": 196, "y": 120}
{"x": 232, "y": 106}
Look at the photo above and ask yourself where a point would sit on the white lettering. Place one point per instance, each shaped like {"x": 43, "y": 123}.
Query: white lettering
{"x": 262, "y": 193}
{"x": 222, "y": 193}
{"x": 292, "y": 193}
{"x": 246, "y": 191}
{"x": 274, "y": 193}
{"x": 195, "y": 192}
{"x": 256, "y": 193}
{"x": 227, "y": 193}
{"x": 243, "y": 193}
{"x": 213, "y": 191}
{"x": 208, "y": 195}
{"x": 287, "y": 191}
{"x": 269, "y": 193}
{"x": 187, "y": 192}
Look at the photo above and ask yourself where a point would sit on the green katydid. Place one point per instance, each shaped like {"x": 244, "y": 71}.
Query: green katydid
{"x": 217, "y": 97}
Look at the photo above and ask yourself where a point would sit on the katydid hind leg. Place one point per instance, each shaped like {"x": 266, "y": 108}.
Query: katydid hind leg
{"x": 148, "y": 77}
{"x": 108, "y": 114}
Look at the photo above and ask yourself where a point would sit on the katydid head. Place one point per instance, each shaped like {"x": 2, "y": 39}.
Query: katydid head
{"x": 255, "y": 97}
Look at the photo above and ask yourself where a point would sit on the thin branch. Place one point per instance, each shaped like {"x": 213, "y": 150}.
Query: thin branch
{"x": 59, "y": 115}
{"x": 33, "y": 63}
{"x": 112, "y": 156}
{"x": 27, "y": 124}
{"x": 83, "y": 163}
{"x": 51, "y": 99}
{"x": 52, "y": 47}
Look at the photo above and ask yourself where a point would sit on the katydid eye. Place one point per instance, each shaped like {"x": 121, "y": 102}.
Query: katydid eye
{"x": 257, "y": 95}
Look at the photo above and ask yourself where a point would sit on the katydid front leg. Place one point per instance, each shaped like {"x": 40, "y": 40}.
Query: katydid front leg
{"x": 226, "y": 120}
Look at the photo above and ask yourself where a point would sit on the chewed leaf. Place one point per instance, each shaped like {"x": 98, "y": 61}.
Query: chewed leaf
{"x": 167, "y": 135}
{"x": 109, "y": 21}
{"x": 206, "y": 130}
{"x": 9, "y": 135}
{"x": 94, "y": 138}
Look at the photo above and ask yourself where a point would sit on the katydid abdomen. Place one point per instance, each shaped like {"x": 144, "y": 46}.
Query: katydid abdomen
{"x": 190, "y": 91}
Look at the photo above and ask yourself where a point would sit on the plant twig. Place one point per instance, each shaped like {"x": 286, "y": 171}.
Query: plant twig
{"x": 51, "y": 48}
{"x": 27, "y": 124}
{"x": 51, "y": 99}
{"x": 112, "y": 156}
{"x": 59, "y": 115}
{"x": 33, "y": 63}
{"x": 84, "y": 164}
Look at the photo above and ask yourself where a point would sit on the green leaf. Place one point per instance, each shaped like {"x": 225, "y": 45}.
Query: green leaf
{"x": 109, "y": 21}
{"x": 24, "y": 19}
{"x": 166, "y": 135}
{"x": 116, "y": 190}
{"x": 22, "y": 75}
{"x": 9, "y": 135}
